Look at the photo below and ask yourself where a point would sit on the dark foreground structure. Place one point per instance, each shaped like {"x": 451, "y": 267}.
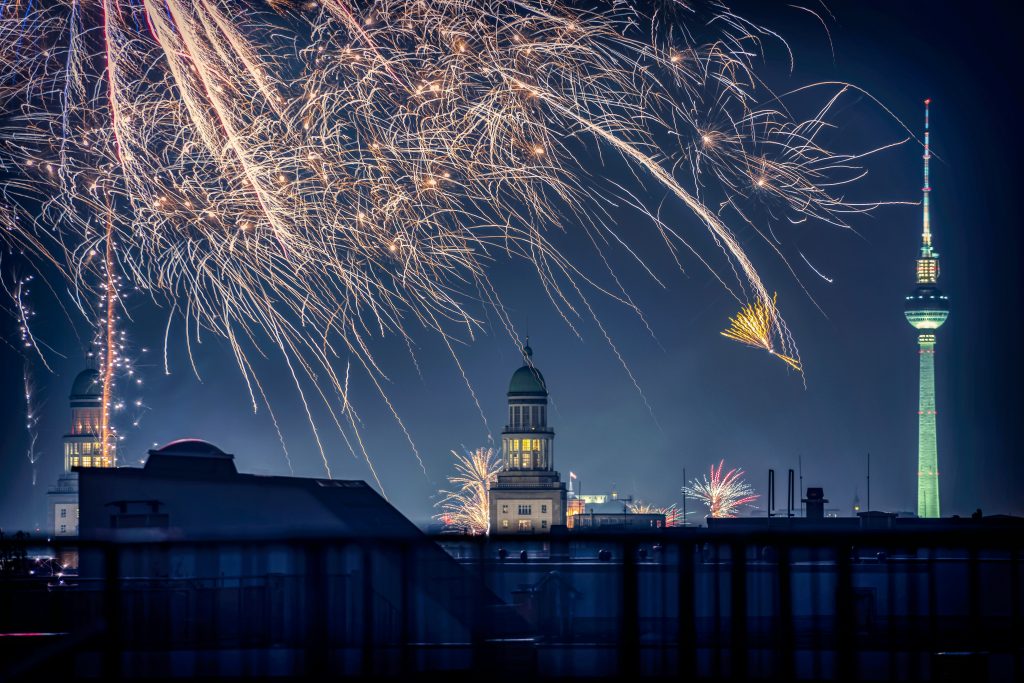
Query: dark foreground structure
{"x": 923, "y": 604}
{"x": 188, "y": 568}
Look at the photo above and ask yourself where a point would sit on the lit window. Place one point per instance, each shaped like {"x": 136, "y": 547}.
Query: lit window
{"x": 524, "y": 525}
{"x": 526, "y": 459}
{"x": 504, "y": 524}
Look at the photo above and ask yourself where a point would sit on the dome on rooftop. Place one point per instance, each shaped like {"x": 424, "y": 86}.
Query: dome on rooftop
{"x": 87, "y": 385}
{"x": 527, "y": 380}
{"x": 190, "y": 448}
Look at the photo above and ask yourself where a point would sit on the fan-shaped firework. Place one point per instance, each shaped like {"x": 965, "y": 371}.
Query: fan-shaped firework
{"x": 314, "y": 174}
{"x": 468, "y": 507}
{"x": 756, "y": 325}
{"x": 724, "y": 494}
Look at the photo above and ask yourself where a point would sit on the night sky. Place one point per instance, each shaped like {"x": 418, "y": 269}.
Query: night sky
{"x": 709, "y": 398}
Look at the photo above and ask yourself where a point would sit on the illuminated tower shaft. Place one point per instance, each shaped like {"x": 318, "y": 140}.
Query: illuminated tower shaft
{"x": 926, "y": 309}
{"x": 927, "y": 443}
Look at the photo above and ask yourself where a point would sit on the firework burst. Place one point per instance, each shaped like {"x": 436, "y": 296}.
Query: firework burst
{"x": 310, "y": 175}
{"x": 467, "y": 508}
{"x": 757, "y": 325}
{"x": 723, "y": 494}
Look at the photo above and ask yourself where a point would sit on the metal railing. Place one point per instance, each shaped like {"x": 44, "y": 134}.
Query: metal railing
{"x": 693, "y": 603}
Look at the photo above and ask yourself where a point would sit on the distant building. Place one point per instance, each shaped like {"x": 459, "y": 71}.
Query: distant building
{"x": 529, "y": 495}
{"x": 190, "y": 489}
{"x": 83, "y": 448}
{"x": 612, "y": 512}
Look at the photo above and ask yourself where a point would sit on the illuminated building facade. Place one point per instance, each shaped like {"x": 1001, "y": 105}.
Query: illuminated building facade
{"x": 528, "y": 496}
{"x": 926, "y": 309}
{"x": 83, "y": 447}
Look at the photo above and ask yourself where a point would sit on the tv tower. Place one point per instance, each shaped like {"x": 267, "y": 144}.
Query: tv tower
{"x": 926, "y": 309}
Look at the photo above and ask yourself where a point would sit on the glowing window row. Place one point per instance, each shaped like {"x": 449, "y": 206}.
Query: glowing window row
{"x": 74, "y": 448}
{"x": 525, "y": 444}
{"x": 87, "y": 461}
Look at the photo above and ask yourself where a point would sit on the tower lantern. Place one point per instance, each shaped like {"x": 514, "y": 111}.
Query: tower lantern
{"x": 926, "y": 309}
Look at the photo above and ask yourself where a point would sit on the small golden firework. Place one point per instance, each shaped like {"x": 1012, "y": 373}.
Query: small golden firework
{"x": 754, "y": 325}
{"x": 468, "y": 508}
{"x": 673, "y": 515}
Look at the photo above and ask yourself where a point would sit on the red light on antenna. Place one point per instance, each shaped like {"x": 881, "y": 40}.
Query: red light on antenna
{"x": 928, "y": 101}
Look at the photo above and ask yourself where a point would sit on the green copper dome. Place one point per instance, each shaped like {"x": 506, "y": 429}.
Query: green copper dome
{"x": 87, "y": 385}
{"x": 527, "y": 380}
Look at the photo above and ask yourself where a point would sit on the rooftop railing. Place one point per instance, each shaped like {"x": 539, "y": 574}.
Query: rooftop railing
{"x": 684, "y": 603}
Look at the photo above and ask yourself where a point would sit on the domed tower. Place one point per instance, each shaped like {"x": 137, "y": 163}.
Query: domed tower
{"x": 529, "y": 496}
{"x": 83, "y": 447}
{"x": 926, "y": 309}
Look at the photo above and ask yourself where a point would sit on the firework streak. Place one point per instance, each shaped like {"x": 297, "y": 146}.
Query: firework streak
{"x": 311, "y": 175}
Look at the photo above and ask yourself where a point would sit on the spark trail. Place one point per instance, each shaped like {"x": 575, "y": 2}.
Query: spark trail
{"x": 315, "y": 176}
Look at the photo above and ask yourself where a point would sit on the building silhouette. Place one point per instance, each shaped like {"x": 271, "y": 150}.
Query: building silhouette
{"x": 529, "y": 495}
{"x": 926, "y": 309}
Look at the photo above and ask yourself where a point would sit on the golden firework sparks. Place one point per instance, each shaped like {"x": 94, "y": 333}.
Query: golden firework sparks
{"x": 311, "y": 175}
{"x": 468, "y": 507}
{"x": 755, "y": 325}
{"x": 673, "y": 515}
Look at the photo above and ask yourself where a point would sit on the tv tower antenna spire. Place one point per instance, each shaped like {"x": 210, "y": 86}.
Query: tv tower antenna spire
{"x": 926, "y": 234}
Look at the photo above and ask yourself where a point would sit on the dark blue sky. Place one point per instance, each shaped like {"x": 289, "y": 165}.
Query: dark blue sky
{"x": 710, "y": 398}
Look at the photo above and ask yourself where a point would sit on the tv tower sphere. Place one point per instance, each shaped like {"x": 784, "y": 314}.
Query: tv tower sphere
{"x": 927, "y": 307}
